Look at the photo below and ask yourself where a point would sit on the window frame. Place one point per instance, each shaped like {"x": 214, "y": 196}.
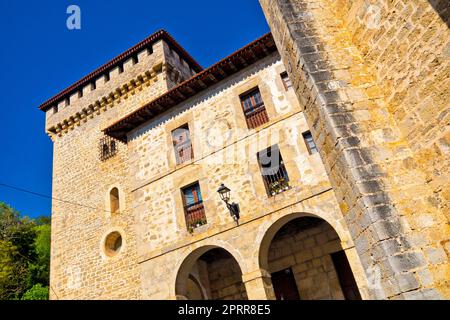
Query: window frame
{"x": 256, "y": 108}
{"x": 107, "y": 148}
{"x": 185, "y": 145}
{"x": 280, "y": 183}
{"x": 114, "y": 200}
{"x": 311, "y": 150}
{"x": 199, "y": 215}
{"x": 284, "y": 76}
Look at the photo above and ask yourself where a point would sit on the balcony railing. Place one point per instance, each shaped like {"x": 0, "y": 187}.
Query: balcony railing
{"x": 277, "y": 182}
{"x": 256, "y": 116}
{"x": 195, "y": 216}
{"x": 184, "y": 153}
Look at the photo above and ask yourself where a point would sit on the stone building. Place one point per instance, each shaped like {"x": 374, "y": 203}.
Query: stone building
{"x": 335, "y": 152}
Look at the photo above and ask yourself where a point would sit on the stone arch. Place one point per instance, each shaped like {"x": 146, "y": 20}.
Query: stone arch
{"x": 198, "y": 286}
{"x": 186, "y": 267}
{"x": 213, "y": 243}
{"x": 267, "y": 233}
{"x": 334, "y": 248}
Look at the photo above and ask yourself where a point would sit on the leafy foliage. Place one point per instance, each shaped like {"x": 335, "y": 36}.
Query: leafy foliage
{"x": 37, "y": 292}
{"x": 24, "y": 255}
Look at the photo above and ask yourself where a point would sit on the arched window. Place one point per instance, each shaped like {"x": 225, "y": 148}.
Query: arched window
{"x": 114, "y": 200}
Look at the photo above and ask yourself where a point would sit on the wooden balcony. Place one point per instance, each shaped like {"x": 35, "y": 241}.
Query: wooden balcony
{"x": 195, "y": 216}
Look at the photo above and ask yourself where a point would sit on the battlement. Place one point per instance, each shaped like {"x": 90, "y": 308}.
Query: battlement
{"x": 157, "y": 61}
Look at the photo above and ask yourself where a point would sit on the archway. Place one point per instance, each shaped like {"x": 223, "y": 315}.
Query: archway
{"x": 306, "y": 261}
{"x": 210, "y": 273}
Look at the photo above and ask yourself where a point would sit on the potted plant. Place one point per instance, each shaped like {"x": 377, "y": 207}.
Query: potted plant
{"x": 278, "y": 186}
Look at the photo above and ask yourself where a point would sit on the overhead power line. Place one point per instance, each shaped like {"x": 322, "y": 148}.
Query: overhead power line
{"x": 50, "y": 197}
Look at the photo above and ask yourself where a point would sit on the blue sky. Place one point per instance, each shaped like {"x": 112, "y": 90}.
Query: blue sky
{"x": 40, "y": 57}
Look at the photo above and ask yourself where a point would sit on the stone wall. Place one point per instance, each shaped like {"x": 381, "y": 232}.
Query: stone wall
{"x": 379, "y": 159}
{"x": 80, "y": 268}
{"x": 357, "y": 183}
{"x": 226, "y": 280}
{"x": 119, "y": 87}
{"x": 407, "y": 46}
{"x": 307, "y": 252}
{"x": 225, "y": 152}
{"x": 216, "y": 278}
{"x": 179, "y": 70}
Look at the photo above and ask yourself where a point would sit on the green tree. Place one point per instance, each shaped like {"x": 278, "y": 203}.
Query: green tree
{"x": 17, "y": 246}
{"x": 40, "y": 268}
{"x": 37, "y": 292}
{"x": 24, "y": 254}
{"x": 13, "y": 273}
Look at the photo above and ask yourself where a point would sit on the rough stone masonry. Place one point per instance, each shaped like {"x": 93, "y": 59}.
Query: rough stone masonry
{"x": 374, "y": 78}
{"x": 364, "y": 83}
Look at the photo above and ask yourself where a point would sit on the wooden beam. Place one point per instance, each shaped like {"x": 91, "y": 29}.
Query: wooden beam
{"x": 243, "y": 61}
{"x": 190, "y": 90}
{"x": 264, "y": 49}
{"x": 232, "y": 66}
{"x": 222, "y": 73}
{"x": 253, "y": 55}
{"x": 202, "y": 84}
{"x": 181, "y": 95}
{"x": 147, "y": 112}
{"x": 159, "y": 107}
{"x": 170, "y": 100}
{"x": 213, "y": 78}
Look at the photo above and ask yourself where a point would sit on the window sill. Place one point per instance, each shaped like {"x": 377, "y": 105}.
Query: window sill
{"x": 198, "y": 230}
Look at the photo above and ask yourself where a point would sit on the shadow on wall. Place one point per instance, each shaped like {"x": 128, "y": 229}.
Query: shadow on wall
{"x": 443, "y": 10}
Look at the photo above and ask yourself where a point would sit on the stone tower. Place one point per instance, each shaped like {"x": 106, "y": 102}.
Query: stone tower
{"x": 373, "y": 80}
{"x": 74, "y": 120}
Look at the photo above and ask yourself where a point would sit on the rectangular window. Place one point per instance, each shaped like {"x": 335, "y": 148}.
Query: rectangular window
{"x": 309, "y": 141}
{"x": 107, "y": 148}
{"x": 193, "y": 207}
{"x": 254, "y": 109}
{"x": 286, "y": 81}
{"x": 182, "y": 144}
{"x": 273, "y": 170}
{"x": 120, "y": 68}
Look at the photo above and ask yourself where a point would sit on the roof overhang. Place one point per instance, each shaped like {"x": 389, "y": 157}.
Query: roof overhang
{"x": 232, "y": 64}
{"x": 157, "y": 36}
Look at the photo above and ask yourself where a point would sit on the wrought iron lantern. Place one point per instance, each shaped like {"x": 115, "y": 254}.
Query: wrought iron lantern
{"x": 224, "y": 193}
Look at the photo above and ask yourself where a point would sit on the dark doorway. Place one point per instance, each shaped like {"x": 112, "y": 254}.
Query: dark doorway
{"x": 345, "y": 275}
{"x": 284, "y": 285}
{"x": 210, "y": 273}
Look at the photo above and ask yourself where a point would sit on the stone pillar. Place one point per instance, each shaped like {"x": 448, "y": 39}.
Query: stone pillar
{"x": 258, "y": 285}
{"x": 367, "y": 159}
